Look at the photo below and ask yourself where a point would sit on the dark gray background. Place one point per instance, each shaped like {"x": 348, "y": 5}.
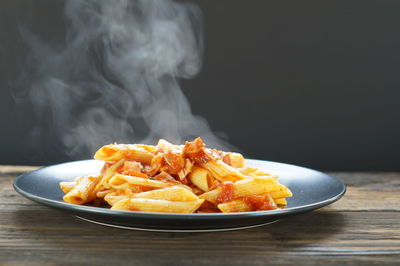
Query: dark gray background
{"x": 314, "y": 83}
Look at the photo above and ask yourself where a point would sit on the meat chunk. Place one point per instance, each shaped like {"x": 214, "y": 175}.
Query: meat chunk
{"x": 195, "y": 151}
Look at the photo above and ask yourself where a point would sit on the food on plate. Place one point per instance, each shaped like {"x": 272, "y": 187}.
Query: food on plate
{"x": 176, "y": 179}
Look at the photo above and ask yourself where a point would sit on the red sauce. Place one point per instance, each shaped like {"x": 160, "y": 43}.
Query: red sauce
{"x": 108, "y": 152}
{"x": 208, "y": 207}
{"x": 165, "y": 177}
{"x": 227, "y": 191}
{"x": 132, "y": 168}
{"x": 156, "y": 163}
{"x": 133, "y": 173}
{"x": 226, "y": 157}
{"x": 132, "y": 165}
{"x": 133, "y": 208}
{"x": 261, "y": 202}
{"x": 207, "y": 210}
{"x": 174, "y": 161}
{"x": 195, "y": 150}
{"x": 185, "y": 181}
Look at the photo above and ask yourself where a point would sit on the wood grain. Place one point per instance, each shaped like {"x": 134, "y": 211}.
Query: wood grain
{"x": 362, "y": 228}
{"x": 16, "y": 170}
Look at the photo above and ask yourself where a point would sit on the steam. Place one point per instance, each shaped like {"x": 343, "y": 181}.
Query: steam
{"x": 115, "y": 79}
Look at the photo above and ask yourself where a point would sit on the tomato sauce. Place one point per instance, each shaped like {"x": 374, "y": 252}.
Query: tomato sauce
{"x": 132, "y": 168}
{"x": 174, "y": 160}
{"x": 227, "y": 192}
{"x": 261, "y": 202}
{"x": 135, "y": 173}
{"x": 133, "y": 208}
{"x": 208, "y": 207}
{"x": 195, "y": 150}
{"x": 108, "y": 152}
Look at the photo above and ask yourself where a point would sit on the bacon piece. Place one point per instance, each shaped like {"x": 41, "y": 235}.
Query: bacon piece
{"x": 195, "y": 150}
{"x": 132, "y": 168}
{"x": 186, "y": 170}
{"x": 155, "y": 166}
{"x": 132, "y": 165}
{"x": 174, "y": 161}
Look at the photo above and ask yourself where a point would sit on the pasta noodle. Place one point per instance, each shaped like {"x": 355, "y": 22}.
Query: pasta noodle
{"x": 176, "y": 179}
{"x": 152, "y": 205}
{"x": 199, "y": 177}
{"x": 83, "y": 191}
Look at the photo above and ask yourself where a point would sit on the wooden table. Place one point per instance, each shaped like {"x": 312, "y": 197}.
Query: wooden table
{"x": 363, "y": 227}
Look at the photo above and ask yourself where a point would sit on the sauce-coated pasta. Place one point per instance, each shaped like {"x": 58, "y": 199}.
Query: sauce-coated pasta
{"x": 176, "y": 179}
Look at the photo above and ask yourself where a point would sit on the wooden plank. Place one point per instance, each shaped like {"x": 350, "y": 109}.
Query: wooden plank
{"x": 368, "y": 199}
{"x": 368, "y": 192}
{"x": 48, "y": 235}
{"x": 16, "y": 169}
{"x": 376, "y": 179}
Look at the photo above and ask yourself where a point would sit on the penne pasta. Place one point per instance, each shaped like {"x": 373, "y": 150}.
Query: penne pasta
{"x": 199, "y": 177}
{"x": 69, "y": 185}
{"x": 247, "y": 171}
{"x": 246, "y": 187}
{"x": 249, "y": 203}
{"x": 153, "y": 205}
{"x": 236, "y": 160}
{"x": 83, "y": 191}
{"x": 120, "y": 181}
{"x": 109, "y": 173}
{"x": 149, "y": 148}
{"x": 113, "y": 197}
{"x": 116, "y": 152}
{"x": 174, "y": 193}
{"x": 165, "y": 145}
{"x": 281, "y": 201}
{"x": 223, "y": 172}
{"x": 283, "y": 192}
{"x": 238, "y": 205}
{"x": 66, "y": 187}
{"x": 102, "y": 193}
{"x": 178, "y": 179}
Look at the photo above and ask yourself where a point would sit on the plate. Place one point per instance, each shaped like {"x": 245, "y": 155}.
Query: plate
{"x": 311, "y": 190}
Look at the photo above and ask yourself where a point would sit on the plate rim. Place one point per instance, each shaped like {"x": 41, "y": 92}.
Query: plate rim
{"x": 161, "y": 215}
{"x": 200, "y": 230}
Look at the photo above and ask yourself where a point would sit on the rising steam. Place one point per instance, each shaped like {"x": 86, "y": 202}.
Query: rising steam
{"x": 115, "y": 77}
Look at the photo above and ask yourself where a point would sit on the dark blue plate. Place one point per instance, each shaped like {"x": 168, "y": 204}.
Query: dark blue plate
{"x": 311, "y": 190}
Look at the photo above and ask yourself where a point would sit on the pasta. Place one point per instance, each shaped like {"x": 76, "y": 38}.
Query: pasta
{"x": 176, "y": 179}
